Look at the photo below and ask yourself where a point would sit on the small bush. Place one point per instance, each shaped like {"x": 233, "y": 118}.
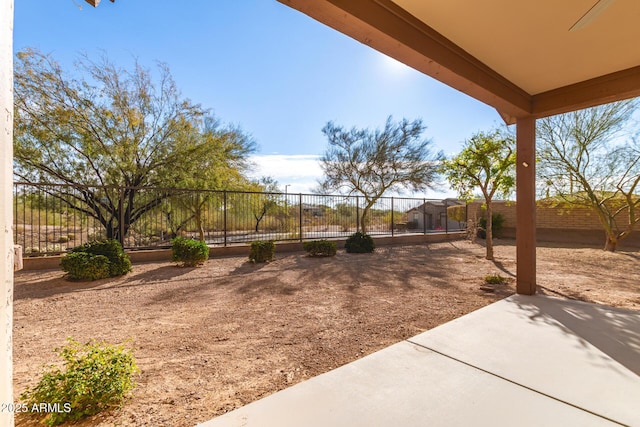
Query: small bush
{"x": 262, "y": 251}
{"x": 360, "y": 243}
{"x": 189, "y": 252}
{"x": 457, "y": 213}
{"x": 320, "y": 248}
{"x": 495, "y": 279}
{"x": 496, "y": 226}
{"x": 85, "y": 266}
{"x": 119, "y": 262}
{"x": 96, "y": 376}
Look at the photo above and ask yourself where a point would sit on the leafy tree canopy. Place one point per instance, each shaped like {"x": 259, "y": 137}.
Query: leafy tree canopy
{"x": 107, "y": 126}
{"x": 591, "y": 158}
{"x": 370, "y": 163}
{"x": 486, "y": 164}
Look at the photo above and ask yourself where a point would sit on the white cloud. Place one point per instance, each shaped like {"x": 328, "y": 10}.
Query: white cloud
{"x": 299, "y": 172}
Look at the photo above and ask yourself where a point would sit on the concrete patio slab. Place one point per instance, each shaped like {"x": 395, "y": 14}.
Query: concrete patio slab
{"x": 584, "y": 354}
{"x": 519, "y": 362}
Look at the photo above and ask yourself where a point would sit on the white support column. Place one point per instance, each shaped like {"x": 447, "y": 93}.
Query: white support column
{"x": 6, "y": 211}
{"x": 526, "y": 206}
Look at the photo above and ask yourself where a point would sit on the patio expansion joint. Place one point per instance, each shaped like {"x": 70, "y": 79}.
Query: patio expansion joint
{"x": 515, "y": 383}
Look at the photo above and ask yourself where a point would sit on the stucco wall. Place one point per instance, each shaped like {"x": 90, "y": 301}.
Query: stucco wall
{"x": 6, "y": 214}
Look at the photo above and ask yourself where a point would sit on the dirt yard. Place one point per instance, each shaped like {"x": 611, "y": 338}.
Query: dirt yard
{"x": 213, "y": 338}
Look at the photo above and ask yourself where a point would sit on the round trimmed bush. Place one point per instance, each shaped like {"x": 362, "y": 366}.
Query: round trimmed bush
{"x": 320, "y": 248}
{"x": 262, "y": 251}
{"x": 85, "y": 266}
{"x": 360, "y": 243}
{"x": 119, "y": 262}
{"x": 189, "y": 252}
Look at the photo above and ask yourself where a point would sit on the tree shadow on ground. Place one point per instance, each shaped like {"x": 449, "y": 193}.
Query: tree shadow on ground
{"x": 60, "y": 285}
{"x": 502, "y": 268}
{"x": 574, "y": 296}
{"x": 162, "y": 273}
{"x": 613, "y": 331}
{"x": 635, "y": 256}
{"x": 250, "y": 267}
{"x": 356, "y": 271}
{"x": 54, "y": 286}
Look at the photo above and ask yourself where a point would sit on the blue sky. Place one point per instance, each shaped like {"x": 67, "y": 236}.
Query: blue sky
{"x": 258, "y": 64}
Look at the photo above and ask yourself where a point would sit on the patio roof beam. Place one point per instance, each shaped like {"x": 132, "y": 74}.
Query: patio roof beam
{"x": 601, "y": 90}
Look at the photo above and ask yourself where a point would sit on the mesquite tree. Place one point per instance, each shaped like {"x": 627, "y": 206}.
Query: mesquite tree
{"x": 106, "y": 133}
{"x": 369, "y": 163}
{"x": 590, "y": 158}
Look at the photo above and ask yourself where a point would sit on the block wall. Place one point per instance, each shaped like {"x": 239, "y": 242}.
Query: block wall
{"x": 558, "y": 224}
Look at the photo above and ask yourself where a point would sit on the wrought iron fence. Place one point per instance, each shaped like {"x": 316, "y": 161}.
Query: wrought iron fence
{"x": 51, "y": 218}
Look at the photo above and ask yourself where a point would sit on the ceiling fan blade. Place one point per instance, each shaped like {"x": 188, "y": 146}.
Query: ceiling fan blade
{"x": 592, "y": 14}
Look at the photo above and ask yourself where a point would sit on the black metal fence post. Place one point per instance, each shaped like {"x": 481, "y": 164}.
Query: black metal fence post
{"x": 424, "y": 216}
{"x": 224, "y": 214}
{"x": 357, "y": 213}
{"x": 446, "y": 217}
{"x": 466, "y": 214}
{"x": 300, "y": 202}
{"x": 121, "y": 218}
{"x": 392, "y": 221}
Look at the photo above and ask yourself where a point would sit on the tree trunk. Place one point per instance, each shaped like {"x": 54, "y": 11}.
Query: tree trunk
{"x": 199, "y": 224}
{"x": 362, "y": 222}
{"x": 489, "y": 231}
{"x": 611, "y": 243}
{"x": 259, "y": 217}
{"x": 472, "y": 226}
{"x": 197, "y": 214}
{"x": 363, "y": 219}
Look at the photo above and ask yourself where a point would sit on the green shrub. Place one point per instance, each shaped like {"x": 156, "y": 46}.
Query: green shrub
{"x": 119, "y": 262}
{"x": 85, "y": 266}
{"x": 457, "y": 213}
{"x": 95, "y": 376}
{"x": 262, "y": 251}
{"x": 320, "y": 248}
{"x": 497, "y": 221}
{"x": 360, "y": 243}
{"x": 495, "y": 279}
{"x": 189, "y": 252}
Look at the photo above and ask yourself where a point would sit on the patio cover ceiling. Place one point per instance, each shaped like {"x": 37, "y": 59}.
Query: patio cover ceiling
{"x": 520, "y": 57}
